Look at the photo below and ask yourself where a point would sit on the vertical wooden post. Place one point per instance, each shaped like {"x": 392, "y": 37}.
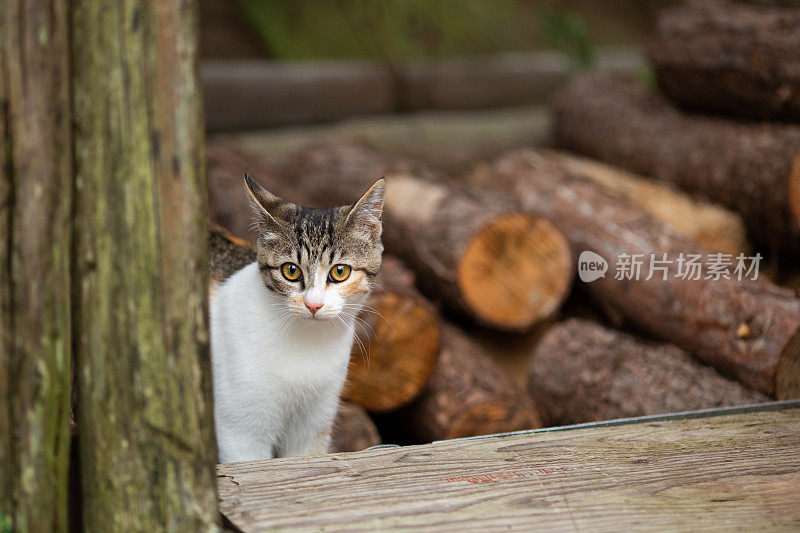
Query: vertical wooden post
{"x": 35, "y": 242}
{"x": 147, "y": 448}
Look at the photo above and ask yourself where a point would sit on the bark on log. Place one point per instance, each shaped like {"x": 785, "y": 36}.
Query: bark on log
{"x": 481, "y": 257}
{"x": 398, "y": 331}
{"x": 583, "y": 372}
{"x": 227, "y": 253}
{"x": 511, "y": 352}
{"x": 749, "y": 329}
{"x": 711, "y": 225}
{"x": 353, "y": 430}
{"x": 752, "y": 168}
{"x": 729, "y": 57}
{"x": 35, "y": 250}
{"x": 228, "y": 204}
{"x": 468, "y": 394}
{"x": 145, "y": 420}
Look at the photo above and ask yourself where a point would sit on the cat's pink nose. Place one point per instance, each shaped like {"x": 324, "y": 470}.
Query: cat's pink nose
{"x": 313, "y": 306}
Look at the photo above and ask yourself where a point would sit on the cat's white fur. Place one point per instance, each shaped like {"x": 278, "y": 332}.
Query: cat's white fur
{"x": 277, "y": 380}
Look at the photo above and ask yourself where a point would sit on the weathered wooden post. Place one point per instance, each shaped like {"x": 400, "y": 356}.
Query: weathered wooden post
{"x": 35, "y": 237}
{"x": 146, "y": 435}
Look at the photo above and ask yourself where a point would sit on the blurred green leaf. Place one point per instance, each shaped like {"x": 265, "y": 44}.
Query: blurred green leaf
{"x": 567, "y": 32}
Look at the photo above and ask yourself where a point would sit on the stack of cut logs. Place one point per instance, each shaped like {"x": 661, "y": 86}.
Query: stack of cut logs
{"x": 470, "y": 331}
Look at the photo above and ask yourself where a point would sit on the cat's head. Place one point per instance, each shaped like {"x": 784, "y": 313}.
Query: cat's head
{"x": 320, "y": 262}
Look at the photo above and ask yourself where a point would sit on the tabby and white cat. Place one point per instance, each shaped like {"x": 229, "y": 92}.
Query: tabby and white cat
{"x": 282, "y": 328}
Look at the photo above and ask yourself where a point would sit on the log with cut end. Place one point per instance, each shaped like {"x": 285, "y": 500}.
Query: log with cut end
{"x": 482, "y": 258}
{"x": 730, "y": 57}
{"x": 711, "y": 225}
{"x": 748, "y": 329}
{"x": 468, "y": 394}
{"x": 398, "y": 330}
{"x": 751, "y": 168}
{"x": 353, "y": 430}
{"x": 398, "y": 343}
{"x": 583, "y": 372}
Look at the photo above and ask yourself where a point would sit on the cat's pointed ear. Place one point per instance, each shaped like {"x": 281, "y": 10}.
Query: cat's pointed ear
{"x": 364, "y": 217}
{"x": 264, "y": 204}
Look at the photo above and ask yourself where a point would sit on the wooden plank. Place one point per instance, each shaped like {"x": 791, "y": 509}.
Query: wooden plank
{"x": 734, "y": 470}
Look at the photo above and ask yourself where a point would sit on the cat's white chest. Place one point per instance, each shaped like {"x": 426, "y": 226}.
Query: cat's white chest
{"x": 276, "y": 382}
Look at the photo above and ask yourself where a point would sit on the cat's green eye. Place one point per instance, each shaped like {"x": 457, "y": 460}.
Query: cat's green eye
{"x": 339, "y": 273}
{"x": 291, "y": 272}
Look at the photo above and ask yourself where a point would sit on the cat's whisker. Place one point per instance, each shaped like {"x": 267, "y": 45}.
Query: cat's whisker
{"x": 282, "y": 325}
{"x": 357, "y": 307}
{"x": 379, "y": 286}
{"x": 286, "y": 321}
{"x": 362, "y": 349}
{"x": 356, "y": 322}
{"x": 289, "y": 322}
{"x": 363, "y": 325}
{"x": 370, "y": 310}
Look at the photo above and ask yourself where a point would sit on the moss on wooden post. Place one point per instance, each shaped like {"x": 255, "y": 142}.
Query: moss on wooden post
{"x": 146, "y": 435}
{"x": 35, "y": 242}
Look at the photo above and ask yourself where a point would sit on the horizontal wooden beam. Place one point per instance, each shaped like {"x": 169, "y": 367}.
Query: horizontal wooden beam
{"x": 251, "y": 94}
{"x": 716, "y": 469}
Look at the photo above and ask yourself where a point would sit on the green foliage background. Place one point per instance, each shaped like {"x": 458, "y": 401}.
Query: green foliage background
{"x": 414, "y": 29}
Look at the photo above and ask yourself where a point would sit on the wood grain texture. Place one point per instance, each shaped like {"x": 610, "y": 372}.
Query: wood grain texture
{"x": 736, "y": 471}
{"x": 36, "y": 182}
{"x": 147, "y": 447}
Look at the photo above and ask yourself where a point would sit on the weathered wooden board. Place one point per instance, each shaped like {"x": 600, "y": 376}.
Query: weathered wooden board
{"x": 252, "y": 94}
{"x": 730, "y": 470}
